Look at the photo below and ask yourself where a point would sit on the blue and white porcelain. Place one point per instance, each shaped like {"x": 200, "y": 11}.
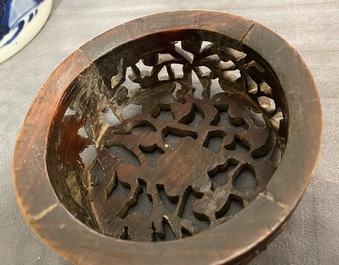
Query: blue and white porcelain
{"x": 20, "y": 21}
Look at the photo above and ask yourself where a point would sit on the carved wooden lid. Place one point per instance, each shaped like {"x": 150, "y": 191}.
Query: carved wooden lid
{"x": 194, "y": 131}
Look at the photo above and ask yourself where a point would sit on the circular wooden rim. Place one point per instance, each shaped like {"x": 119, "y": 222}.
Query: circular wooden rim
{"x": 242, "y": 236}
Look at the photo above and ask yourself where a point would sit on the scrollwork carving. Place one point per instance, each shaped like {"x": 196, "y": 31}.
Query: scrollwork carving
{"x": 184, "y": 137}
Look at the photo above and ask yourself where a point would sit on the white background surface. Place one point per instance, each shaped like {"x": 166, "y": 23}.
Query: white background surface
{"x": 311, "y": 26}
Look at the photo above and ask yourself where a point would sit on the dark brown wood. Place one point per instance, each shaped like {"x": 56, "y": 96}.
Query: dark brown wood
{"x": 164, "y": 127}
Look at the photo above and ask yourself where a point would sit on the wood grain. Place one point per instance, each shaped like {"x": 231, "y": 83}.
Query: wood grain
{"x": 269, "y": 84}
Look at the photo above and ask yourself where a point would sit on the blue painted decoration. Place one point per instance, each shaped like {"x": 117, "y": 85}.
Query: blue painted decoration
{"x": 4, "y": 17}
{"x": 13, "y": 16}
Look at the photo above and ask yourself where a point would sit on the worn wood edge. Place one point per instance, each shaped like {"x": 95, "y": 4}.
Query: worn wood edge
{"x": 35, "y": 127}
{"x": 311, "y": 116}
{"x": 59, "y": 249}
{"x": 180, "y": 20}
{"x": 164, "y": 253}
{"x": 301, "y": 112}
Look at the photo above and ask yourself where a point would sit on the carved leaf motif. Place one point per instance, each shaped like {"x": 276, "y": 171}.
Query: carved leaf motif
{"x": 197, "y": 149}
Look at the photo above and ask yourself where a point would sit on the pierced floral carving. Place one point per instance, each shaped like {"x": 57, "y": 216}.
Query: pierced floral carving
{"x": 184, "y": 138}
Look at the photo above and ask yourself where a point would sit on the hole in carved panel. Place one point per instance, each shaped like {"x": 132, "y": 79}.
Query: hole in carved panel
{"x": 215, "y": 87}
{"x": 226, "y": 65}
{"x": 236, "y": 73}
{"x": 121, "y": 189}
{"x": 177, "y": 69}
{"x": 170, "y": 203}
{"x": 82, "y": 132}
{"x": 245, "y": 180}
{"x": 172, "y": 136}
{"x": 235, "y": 207}
{"x": 163, "y": 113}
{"x": 193, "y": 118}
{"x": 214, "y": 140}
{"x": 190, "y": 215}
{"x": 238, "y": 145}
{"x": 110, "y": 118}
{"x": 165, "y": 58}
{"x": 144, "y": 67}
{"x": 152, "y": 154}
{"x": 230, "y": 208}
{"x": 167, "y": 233}
{"x": 122, "y": 153}
{"x": 88, "y": 154}
{"x": 277, "y": 119}
{"x": 252, "y": 86}
{"x": 265, "y": 88}
{"x": 70, "y": 112}
{"x": 220, "y": 175}
{"x": 163, "y": 74}
{"x": 223, "y": 119}
{"x": 130, "y": 111}
{"x": 167, "y": 144}
{"x": 185, "y": 54}
{"x": 125, "y": 235}
{"x": 131, "y": 76}
{"x": 98, "y": 172}
{"x": 166, "y": 115}
{"x": 172, "y": 140}
{"x": 258, "y": 119}
{"x": 176, "y": 89}
{"x": 230, "y": 67}
{"x": 237, "y": 55}
{"x": 206, "y": 45}
{"x": 267, "y": 104}
{"x": 142, "y": 129}
{"x": 143, "y": 206}
{"x": 205, "y": 71}
{"x": 197, "y": 86}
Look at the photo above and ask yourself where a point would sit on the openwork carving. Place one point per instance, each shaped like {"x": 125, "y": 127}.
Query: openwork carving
{"x": 180, "y": 139}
